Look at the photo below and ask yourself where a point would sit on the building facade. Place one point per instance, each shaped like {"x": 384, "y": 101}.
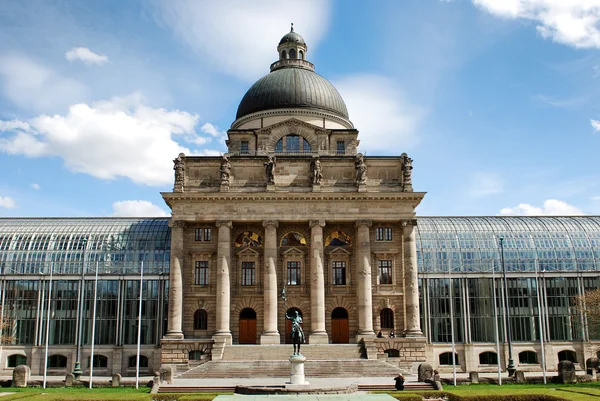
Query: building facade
{"x": 293, "y": 218}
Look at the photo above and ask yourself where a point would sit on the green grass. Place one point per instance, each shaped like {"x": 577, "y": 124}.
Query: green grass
{"x": 99, "y": 394}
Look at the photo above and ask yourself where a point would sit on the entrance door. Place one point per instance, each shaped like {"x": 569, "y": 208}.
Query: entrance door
{"x": 248, "y": 326}
{"x": 288, "y": 324}
{"x": 340, "y": 331}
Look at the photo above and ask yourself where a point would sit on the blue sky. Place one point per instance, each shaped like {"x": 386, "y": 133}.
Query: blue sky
{"x": 497, "y": 101}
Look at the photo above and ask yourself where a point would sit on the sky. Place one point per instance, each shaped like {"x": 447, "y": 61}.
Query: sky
{"x": 496, "y": 101}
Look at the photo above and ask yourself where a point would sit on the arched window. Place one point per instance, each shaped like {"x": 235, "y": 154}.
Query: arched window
{"x": 248, "y": 238}
{"x": 300, "y": 54}
{"x": 293, "y": 239}
{"x": 200, "y": 320}
{"x": 488, "y": 358}
{"x": 446, "y": 358}
{"x": 338, "y": 238}
{"x": 195, "y": 355}
{"x": 387, "y": 318}
{"x": 293, "y": 144}
{"x": 15, "y": 360}
{"x": 283, "y": 54}
{"x": 306, "y": 146}
{"x": 392, "y": 353}
{"x": 567, "y": 356}
{"x": 57, "y": 361}
{"x": 528, "y": 357}
{"x": 131, "y": 363}
{"x": 100, "y": 361}
{"x": 292, "y": 53}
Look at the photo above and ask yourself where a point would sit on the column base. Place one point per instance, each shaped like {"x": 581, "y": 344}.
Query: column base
{"x": 224, "y": 337}
{"x": 318, "y": 338}
{"x": 413, "y": 333}
{"x": 368, "y": 336}
{"x": 270, "y": 338}
{"x": 176, "y": 335}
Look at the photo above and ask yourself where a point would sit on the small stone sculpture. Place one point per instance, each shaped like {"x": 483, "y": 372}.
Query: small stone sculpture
{"x": 179, "y": 168}
{"x": 566, "y": 372}
{"x": 225, "y": 171}
{"x": 317, "y": 171}
{"x": 361, "y": 169}
{"x": 425, "y": 372}
{"x": 407, "y": 172}
{"x": 270, "y": 169}
{"x": 20, "y": 376}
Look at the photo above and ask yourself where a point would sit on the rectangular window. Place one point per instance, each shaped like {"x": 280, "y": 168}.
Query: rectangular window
{"x": 385, "y": 272}
{"x": 203, "y": 234}
{"x": 339, "y": 273}
{"x": 383, "y": 234}
{"x": 340, "y": 147}
{"x": 248, "y": 270}
{"x": 201, "y": 277}
{"x": 244, "y": 149}
{"x": 293, "y": 270}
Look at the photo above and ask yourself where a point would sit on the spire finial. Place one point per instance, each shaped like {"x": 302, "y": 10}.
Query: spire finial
{"x": 292, "y": 28}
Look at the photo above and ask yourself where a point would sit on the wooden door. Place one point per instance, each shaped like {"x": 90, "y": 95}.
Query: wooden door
{"x": 340, "y": 331}
{"x": 247, "y": 331}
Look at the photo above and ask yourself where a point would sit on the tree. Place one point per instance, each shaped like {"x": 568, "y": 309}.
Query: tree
{"x": 588, "y": 304}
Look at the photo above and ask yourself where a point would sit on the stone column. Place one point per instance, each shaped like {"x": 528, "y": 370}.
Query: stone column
{"x": 223, "y": 283}
{"x": 270, "y": 334}
{"x": 318, "y": 335}
{"x": 175, "y": 281}
{"x": 364, "y": 290}
{"x": 411, "y": 281}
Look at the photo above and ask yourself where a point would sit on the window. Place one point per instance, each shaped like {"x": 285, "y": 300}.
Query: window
{"x": 201, "y": 277}
{"x": 100, "y": 361}
{"x": 385, "y": 271}
{"x": 488, "y": 358}
{"x": 567, "y": 356}
{"x": 200, "y": 320}
{"x": 301, "y": 54}
{"x": 340, "y": 147}
{"x": 248, "y": 270}
{"x": 387, "y": 318}
{"x": 15, "y": 360}
{"x": 195, "y": 355}
{"x": 57, "y": 361}
{"x": 392, "y": 353}
{"x": 132, "y": 362}
{"x": 203, "y": 234}
{"x": 293, "y": 270}
{"x": 528, "y": 357}
{"x": 339, "y": 273}
{"x": 292, "y": 53}
{"x": 244, "y": 149}
{"x": 446, "y": 359}
{"x": 283, "y": 54}
{"x": 383, "y": 233}
{"x": 292, "y": 143}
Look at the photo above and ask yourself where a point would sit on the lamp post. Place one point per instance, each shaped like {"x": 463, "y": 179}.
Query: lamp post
{"x": 511, "y": 365}
{"x": 77, "y": 371}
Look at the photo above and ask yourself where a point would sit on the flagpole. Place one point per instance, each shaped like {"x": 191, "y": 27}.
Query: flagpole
{"x": 94, "y": 327}
{"x": 48, "y": 323}
{"x": 537, "y": 285}
{"x": 496, "y": 324}
{"x": 452, "y": 322}
{"x": 137, "y": 364}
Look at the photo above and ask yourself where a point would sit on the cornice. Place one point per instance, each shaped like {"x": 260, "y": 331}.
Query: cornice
{"x": 290, "y": 112}
{"x": 291, "y": 196}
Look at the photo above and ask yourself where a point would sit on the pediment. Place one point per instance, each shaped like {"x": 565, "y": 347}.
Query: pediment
{"x": 293, "y": 252}
{"x": 338, "y": 251}
{"x": 290, "y": 124}
{"x": 249, "y": 251}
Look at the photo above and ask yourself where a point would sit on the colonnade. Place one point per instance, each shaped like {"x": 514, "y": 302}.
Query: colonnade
{"x": 318, "y": 334}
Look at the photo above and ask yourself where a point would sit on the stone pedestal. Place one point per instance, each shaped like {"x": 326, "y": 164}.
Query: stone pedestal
{"x": 297, "y": 380}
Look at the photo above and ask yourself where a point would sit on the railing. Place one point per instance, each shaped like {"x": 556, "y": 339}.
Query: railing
{"x": 292, "y": 61}
{"x": 276, "y": 154}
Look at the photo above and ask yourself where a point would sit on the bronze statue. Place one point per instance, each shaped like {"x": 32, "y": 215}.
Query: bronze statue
{"x": 179, "y": 168}
{"x": 225, "y": 171}
{"x": 297, "y": 333}
{"x": 361, "y": 169}
{"x": 317, "y": 171}
{"x": 270, "y": 169}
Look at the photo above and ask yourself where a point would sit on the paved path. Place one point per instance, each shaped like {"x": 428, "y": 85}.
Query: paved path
{"x": 338, "y": 397}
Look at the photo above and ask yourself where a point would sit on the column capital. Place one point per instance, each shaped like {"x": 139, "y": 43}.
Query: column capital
{"x": 367, "y": 223}
{"x": 314, "y": 223}
{"x": 270, "y": 223}
{"x": 410, "y": 222}
{"x": 224, "y": 223}
{"x": 177, "y": 223}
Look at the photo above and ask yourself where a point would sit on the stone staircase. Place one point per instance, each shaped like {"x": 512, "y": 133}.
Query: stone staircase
{"x": 314, "y": 352}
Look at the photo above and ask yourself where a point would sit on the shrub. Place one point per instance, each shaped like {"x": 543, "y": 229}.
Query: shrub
{"x": 406, "y": 397}
{"x": 504, "y": 397}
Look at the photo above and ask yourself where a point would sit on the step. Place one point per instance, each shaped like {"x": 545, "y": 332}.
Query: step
{"x": 409, "y": 386}
{"x": 281, "y": 352}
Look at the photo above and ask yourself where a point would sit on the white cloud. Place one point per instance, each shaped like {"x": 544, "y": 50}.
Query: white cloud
{"x": 137, "y": 208}
{"x": 484, "y": 184}
{"x": 35, "y": 186}
{"x": 121, "y": 137}
{"x": 595, "y": 124}
{"x": 7, "y": 202}
{"x": 86, "y": 55}
{"x": 31, "y": 85}
{"x": 240, "y": 37}
{"x": 551, "y": 207}
{"x": 572, "y": 22}
{"x": 378, "y": 109}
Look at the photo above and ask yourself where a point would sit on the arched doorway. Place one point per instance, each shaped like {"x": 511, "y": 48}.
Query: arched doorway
{"x": 340, "y": 332}
{"x": 288, "y": 324}
{"x": 248, "y": 326}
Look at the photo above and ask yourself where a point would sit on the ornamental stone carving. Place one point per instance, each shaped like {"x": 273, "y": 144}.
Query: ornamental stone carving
{"x": 270, "y": 223}
{"x": 270, "y": 169}
{"x": 316, "y": 170}
{"x": 179, "y": 167}
{"x": 407, "y": 173}
{"x": 224, "y": 223}
{"x": 177, "y": 223}
{"x": 411, "y": 222}
{"x": 361, "y": 169}
{"x": 367, "y": 223}
{"x": 225, "y": 171}
{"x": 314, "y": 223}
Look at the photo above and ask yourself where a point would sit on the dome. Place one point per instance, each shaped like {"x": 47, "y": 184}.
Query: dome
{"x": 292, "y": 88}
{"x": 292, "y": 37}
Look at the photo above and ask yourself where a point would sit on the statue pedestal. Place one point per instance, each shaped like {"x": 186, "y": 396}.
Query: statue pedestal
{"x": 297, "y": 380}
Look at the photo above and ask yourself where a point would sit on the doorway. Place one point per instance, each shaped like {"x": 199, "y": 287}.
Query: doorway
{"x": 340, "y": 331}
{"x": 248, "y": 326}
